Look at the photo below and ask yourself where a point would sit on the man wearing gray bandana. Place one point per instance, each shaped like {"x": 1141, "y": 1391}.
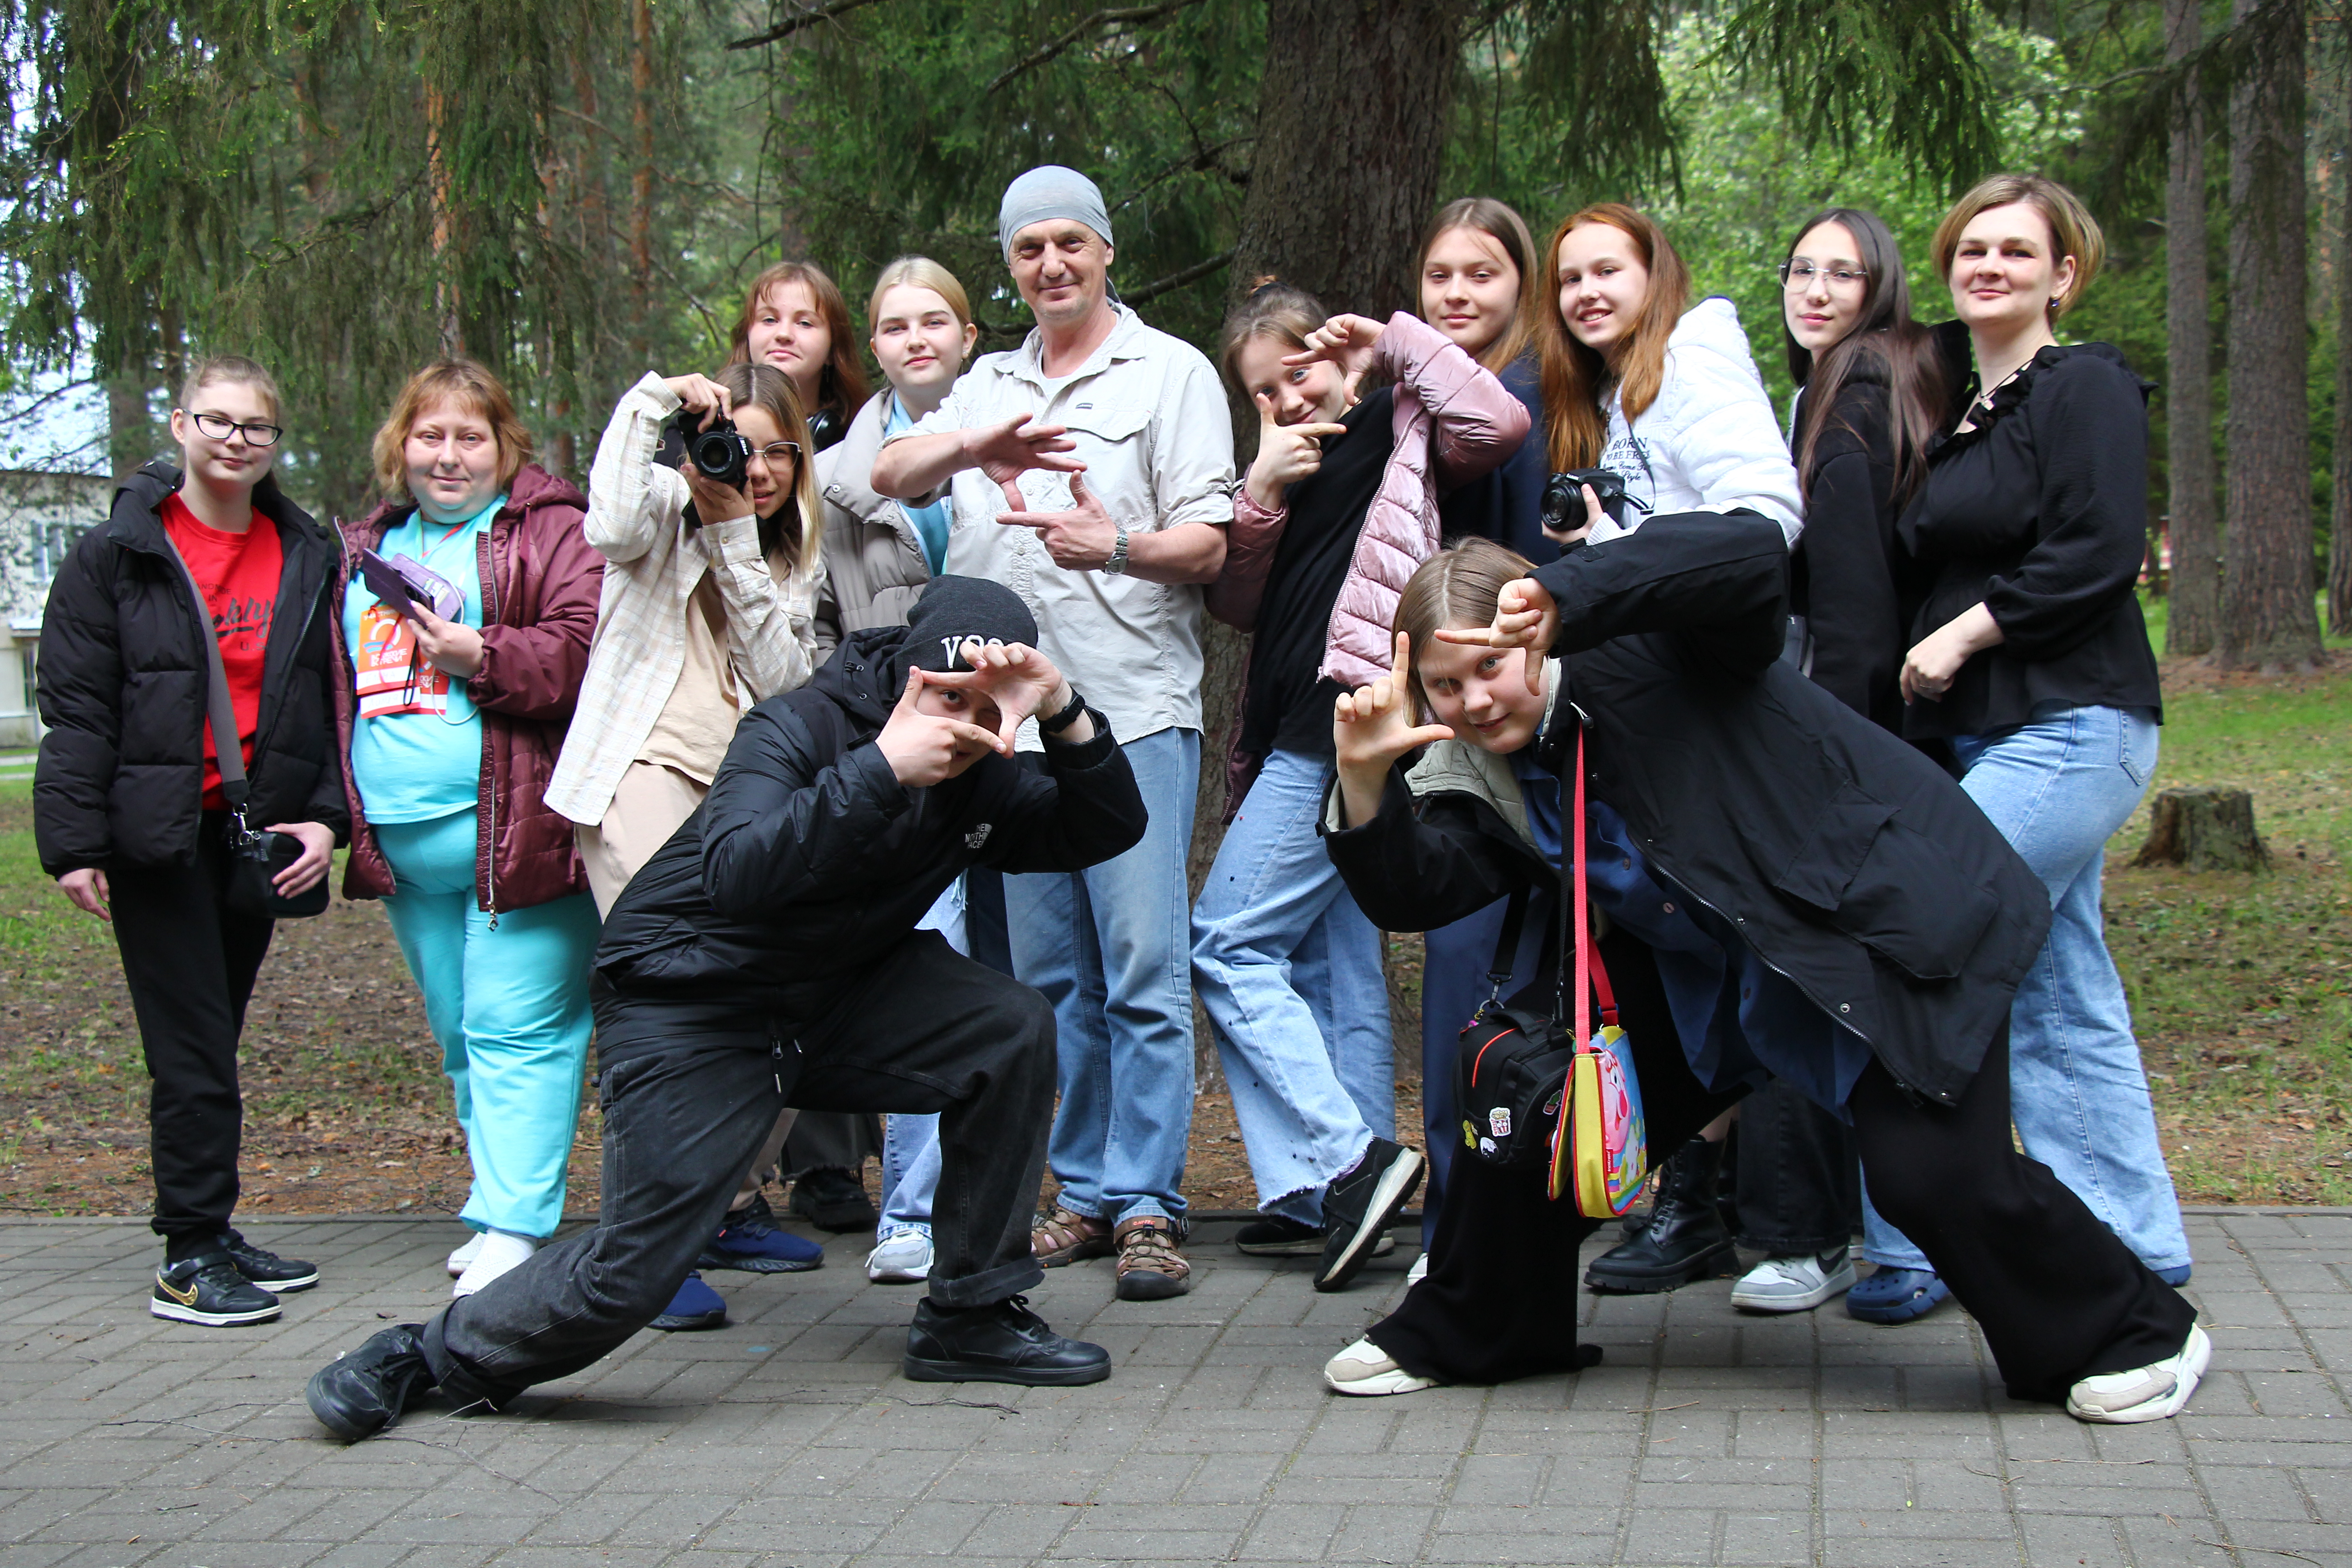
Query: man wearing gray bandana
{"x": 1091, "y": 471}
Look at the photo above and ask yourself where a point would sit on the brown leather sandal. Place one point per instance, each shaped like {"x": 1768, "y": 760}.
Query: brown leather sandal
{"x": 1150, "y": 1269}
{"x": 1064, "y": 1236}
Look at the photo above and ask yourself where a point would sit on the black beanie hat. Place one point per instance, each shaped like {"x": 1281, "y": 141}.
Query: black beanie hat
{"x": 953, "y": 611}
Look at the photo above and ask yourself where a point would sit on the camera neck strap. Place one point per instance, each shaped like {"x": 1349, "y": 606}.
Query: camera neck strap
{"x": 220, "y": 707}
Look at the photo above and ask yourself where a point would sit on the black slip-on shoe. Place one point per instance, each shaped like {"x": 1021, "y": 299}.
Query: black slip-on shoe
{"x": 208, "y": 1289}
{"x": 1360, "y": 1204}
{"x": 1006, "y": 1343}
{"x": 277, "y": 1274}
{"x": 359, "y": 1394}
{"x": 833, "y": 1199}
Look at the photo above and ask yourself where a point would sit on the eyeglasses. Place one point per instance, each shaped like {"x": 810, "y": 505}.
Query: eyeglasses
{"x": 1798, "y": 276}
{"x": 220, "y": 427}
{"x": 777, "y": 451}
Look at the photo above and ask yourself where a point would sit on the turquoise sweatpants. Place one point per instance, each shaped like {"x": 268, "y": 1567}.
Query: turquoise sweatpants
{"x": 509, "y": 1009}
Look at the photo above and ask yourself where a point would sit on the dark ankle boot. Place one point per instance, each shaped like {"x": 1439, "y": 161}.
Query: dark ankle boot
{"x": 1685, "y": 1238}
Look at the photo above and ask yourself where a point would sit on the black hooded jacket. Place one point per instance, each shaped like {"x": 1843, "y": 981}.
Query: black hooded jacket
{"x": 809, "y": 858}
{"x": 1847, "y": 860}
{"x": 123, "y": 677}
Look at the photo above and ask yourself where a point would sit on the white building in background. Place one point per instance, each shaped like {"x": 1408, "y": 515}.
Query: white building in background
{"x": 41, "y": 516}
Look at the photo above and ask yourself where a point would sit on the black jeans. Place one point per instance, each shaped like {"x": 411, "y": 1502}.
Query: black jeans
{"x": 1795, "y": 1181}
{"x": 2057, "y": 1294}
{"x": 921, "y": 1029}
{"x": 190, "y": 962}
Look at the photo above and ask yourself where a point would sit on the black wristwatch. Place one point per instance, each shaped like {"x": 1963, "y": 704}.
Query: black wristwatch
{"x": 1066, "y": 717}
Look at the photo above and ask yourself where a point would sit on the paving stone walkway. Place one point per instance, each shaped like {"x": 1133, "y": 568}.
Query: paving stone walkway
{"x": 789, "y": 1439}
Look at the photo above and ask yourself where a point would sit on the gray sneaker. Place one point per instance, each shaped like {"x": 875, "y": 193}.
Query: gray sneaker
{"x": 1795, "y": 1284}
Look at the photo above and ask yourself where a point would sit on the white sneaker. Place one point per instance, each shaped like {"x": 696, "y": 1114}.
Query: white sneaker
{"x": 903, "y": 1260}
{"x": 499, "y": 1252}
{"x": 2155, "y": 1393}
{"x": 463, "y": 1258}
{"x": 1795, "y": 1284}
{"x": 1365, "y": 1369}
{"x": 1418, "y": 1272}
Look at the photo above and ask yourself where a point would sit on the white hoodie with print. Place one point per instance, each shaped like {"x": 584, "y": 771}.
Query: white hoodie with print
{"x": 1709, "y": 441}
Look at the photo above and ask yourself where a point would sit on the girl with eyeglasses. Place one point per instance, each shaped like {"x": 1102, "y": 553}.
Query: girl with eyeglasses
{"x": 129, "y": 810}
{"x": 708, "y": 608}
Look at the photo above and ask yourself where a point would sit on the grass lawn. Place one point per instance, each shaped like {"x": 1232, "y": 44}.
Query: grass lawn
{"x": 2241, "y": 984}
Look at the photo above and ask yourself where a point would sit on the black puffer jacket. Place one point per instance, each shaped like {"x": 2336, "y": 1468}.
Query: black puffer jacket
{"x": 123, "y": 677}
{"x": 1849, "y": 861}
{"x": 809, "y": 858}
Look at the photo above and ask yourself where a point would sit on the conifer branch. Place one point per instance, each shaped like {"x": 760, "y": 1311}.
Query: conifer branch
{"x": 792, "y": 23}
{"x": 1175, "y": 281}
{"x": 1114, "y": 16}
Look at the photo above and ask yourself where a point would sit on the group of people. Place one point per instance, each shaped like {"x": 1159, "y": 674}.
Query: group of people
{"x": 862, "y": 787}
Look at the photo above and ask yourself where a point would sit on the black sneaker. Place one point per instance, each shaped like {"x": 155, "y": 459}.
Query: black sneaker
{"x": 1006, "y": 1342}
{"x": 359, "y": 1394}
{"x": 277, "y": 1274}
{"x": 833, "y": 1199}
{"x": 1272, "y": 1235}
{"x": 1360, "y": 1204}
{"x": 207, "y": 1289}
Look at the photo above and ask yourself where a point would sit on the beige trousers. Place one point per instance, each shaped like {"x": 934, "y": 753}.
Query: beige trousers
{"x": 648, "y": 805}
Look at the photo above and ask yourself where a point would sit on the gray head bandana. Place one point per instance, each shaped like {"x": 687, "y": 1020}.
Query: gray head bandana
{"x": 1045, "y": 193}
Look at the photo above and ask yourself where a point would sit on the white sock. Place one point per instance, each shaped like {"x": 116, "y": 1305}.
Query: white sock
{"x": 502, "y": 1250}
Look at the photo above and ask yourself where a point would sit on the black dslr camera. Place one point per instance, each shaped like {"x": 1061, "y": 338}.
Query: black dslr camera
{"x": 720, "y": 454}
{"x": 1564, "y": 498}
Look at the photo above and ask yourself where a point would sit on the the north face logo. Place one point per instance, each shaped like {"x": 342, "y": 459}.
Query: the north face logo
{"x": 978, "y": 835}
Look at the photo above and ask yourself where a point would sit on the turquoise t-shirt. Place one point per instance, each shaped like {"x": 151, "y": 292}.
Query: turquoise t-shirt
{"x": 416, "y": 746}
{"x": 930, "y": 522}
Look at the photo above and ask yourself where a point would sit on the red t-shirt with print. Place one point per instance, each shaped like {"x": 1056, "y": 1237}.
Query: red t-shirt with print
{"x": 238, "y": 572}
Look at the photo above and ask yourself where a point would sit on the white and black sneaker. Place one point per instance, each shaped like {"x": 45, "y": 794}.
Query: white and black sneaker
{"x": 277, "y": 1274}
{"x": 207, "y": 1289}
{"x": 1272, "y": 1235}
{"x": 1360, "y": 1204}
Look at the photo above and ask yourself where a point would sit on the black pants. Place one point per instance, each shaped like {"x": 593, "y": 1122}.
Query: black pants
{"x": 922, "y": 1029}
{"x": 1795, "y": 1175}
{"x": 2057, "y": 1294}
{"x": 190, "y": 962}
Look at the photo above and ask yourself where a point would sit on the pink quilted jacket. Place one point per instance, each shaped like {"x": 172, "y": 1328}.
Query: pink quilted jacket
{"x": 1454, "y": 422}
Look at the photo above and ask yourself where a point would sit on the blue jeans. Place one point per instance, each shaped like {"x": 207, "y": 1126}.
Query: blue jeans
{"x": 2058, "y": 789}
{"x": 1107, "y": 946}
{"x": 509, "y": 1008}
{"x": 1290, "y": 970}
{"x": 910, "y": 1143}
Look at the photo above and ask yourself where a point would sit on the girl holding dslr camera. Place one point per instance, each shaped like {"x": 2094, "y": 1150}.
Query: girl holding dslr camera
{"x": 709, "y": 591}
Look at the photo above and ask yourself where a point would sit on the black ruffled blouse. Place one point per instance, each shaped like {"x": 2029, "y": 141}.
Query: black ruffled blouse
{"x": 2040, "y": 513}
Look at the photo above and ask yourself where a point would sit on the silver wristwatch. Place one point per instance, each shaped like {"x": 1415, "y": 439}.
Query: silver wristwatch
{"x": 1117, "y": 565}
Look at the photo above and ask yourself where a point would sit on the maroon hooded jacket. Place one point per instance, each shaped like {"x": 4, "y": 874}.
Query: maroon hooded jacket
{"x": 541, "y": 583}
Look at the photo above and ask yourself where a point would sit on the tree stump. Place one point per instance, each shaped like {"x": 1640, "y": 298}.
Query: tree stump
{"x": 2208, "y": 828}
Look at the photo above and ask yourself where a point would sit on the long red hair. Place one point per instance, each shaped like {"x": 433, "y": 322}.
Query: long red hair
{"x": 1575, "y": 378}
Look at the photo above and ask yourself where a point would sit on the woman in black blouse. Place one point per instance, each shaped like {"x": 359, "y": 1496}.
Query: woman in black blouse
{"x": 2031, "y": 659}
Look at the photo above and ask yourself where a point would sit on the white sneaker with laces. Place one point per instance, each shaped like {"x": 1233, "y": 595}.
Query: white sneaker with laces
{"x": 499, "y": 1252}
{"x": 463, "y": 1258}
{"x": 901, "y": 1259}
{"x": 2153, "y": 1393}
{"x": 1364, "y": 1369}
{"x": 1795, "y": 1284}
{"x": 1418, "y": 1272}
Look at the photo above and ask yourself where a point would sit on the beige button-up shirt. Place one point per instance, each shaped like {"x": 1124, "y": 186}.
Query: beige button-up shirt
{"x": 1150, "y": 424}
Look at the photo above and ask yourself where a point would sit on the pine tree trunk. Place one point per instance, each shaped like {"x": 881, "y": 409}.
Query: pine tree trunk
{"x": 446, "y": 303}
{"x": 2266, "y": 589}
{"x": 641, "y": 184}
{"x": 2339, "y": 542}
{"x": 2195, "y": 581}
{"x": 129, "y": 434}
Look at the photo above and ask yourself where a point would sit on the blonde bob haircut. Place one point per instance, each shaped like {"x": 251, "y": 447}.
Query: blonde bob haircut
{"x": 1575, "y": 378}
{"x": 2073, "y": 230}
{"x": 919, "y": 272}
{"x": 471, "y": 387}
{"x": 237, "y": 370}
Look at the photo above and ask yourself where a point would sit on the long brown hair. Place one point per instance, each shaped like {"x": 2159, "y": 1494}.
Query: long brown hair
{"x": 1503, "y": 225}
{"x": 841, "y": 385}
{"x": 1575, "y": 377}
{"x": 1885, "y": 344}
{"x": 792, "y": 533}
{"x": 1456, "y": 587}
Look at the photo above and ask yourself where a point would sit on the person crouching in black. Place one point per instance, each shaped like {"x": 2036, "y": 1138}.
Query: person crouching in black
{"x": 767, "y": 956}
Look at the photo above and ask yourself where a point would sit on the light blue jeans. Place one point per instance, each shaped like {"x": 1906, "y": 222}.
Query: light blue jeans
{"x": 1290, "y": 970}
{"x": 910, "y": 1144}
{"x": 509, "y": 1010}
{"x": 2058, "y": 789}
{"x": 1108, "y": 948}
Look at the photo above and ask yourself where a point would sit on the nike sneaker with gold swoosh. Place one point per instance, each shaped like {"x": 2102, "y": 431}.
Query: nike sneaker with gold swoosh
{"x": 277, "y": 1274}
{"x": 208, "y": 1289}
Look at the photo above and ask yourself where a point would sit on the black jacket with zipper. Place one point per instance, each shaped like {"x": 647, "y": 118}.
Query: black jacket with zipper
{"x": 809, "y": 859}
{"x": 1850, "y": 862}
{"x": 123, "y": 677}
